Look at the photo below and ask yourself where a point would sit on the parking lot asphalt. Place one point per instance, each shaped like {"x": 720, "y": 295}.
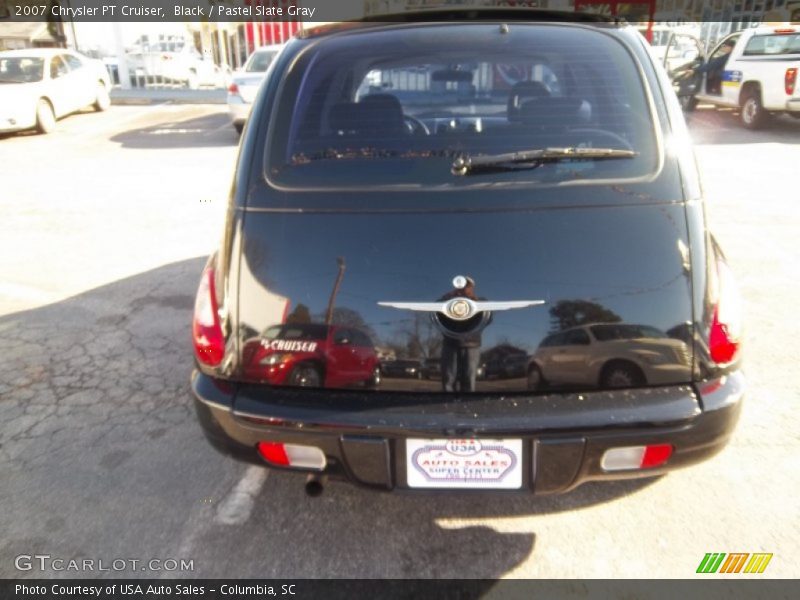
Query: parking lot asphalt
{"x": 106, "y": 226}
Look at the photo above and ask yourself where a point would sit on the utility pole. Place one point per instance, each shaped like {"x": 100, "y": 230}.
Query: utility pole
{"x": 335, "y": 291}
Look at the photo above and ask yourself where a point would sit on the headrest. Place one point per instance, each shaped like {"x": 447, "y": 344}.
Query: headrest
{"x": 555, "y": 113}
{"x": 522, "y": 91}
{"x": 381, "y": 114}
{"x": 373, "y": 115}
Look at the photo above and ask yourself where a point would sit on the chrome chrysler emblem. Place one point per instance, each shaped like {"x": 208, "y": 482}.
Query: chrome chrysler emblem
{"x": 461, "y": 308}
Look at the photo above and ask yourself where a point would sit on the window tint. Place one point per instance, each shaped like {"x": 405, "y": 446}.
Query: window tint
{"x": 576, "y": 337}
{"x": 23, "y": 69}
{"x": 408, "y": 101}
{"x": 760, "y": 45}
{"x": 343, "y": 335}
{"x": 719, "y": 50}
{"x": 605, "y": 333}
{"x": 260, "y": 62}
{"x": 361, "y": 339}
{"x": 58, "y": 67}
{"x": 73, "y": 61}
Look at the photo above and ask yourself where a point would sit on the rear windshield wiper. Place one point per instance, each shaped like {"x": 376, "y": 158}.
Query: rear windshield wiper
{"x": 531, "y": 159}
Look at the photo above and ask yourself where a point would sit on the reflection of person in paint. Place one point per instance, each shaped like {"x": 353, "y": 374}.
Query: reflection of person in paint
{"x": 460, "y": 355}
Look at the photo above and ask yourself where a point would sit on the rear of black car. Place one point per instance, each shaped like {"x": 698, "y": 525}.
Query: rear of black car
{"x": 482, "y": 197}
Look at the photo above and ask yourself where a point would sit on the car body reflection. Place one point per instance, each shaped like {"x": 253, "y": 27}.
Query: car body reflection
{"x": 609, "y": 355}
{"x": 312, "y": 355}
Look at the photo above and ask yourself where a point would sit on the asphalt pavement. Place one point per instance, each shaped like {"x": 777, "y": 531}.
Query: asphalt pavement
{"x": 106, "y": 226}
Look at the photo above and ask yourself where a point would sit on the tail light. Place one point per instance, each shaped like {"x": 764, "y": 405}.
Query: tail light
{"x": 292, "y": 455}
{"x": 233, "y": 89}
{"x": 209, "y": 343}
{"x": 636, "y": 457}
{"x": 790, "y": 80}
{"x": 724, "y": 337}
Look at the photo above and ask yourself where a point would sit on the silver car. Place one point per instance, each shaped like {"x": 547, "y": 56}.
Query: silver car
{"x": 246, "y": 81}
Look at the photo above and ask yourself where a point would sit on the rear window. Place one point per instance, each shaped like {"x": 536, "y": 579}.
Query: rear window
{"x": 397, "y": 106}
{"x": 260, "y": 61}
{"x": 764, "y": 45}
{"x": 21, "y": 69}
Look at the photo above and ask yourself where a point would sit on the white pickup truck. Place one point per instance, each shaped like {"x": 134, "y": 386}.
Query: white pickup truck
{"x": 760, "y": 75}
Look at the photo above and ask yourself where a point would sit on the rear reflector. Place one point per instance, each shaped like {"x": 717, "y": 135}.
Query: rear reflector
{"x": 636, "y": 457}
{"x": 292, "y": 455}
{"x": 233, "y": 89}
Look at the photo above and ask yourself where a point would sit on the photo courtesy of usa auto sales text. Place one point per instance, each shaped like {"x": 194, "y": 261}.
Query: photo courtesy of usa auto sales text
{"x": 137, "y": 590}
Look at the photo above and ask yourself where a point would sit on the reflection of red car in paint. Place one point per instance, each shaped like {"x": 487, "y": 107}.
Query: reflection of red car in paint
{"x": 312, "y": 355}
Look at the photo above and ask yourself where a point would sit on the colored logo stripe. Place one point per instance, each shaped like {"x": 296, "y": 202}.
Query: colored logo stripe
{"x": 734, "y": 563}
{"x": 713, "y": 562}
{"x": 758, "y": 563}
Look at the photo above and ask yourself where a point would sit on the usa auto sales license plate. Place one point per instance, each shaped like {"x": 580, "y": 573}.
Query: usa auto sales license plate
{"x": 468, "y": 463}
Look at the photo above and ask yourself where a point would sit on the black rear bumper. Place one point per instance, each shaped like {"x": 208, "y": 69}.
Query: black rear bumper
{"x": 564, "y": 435}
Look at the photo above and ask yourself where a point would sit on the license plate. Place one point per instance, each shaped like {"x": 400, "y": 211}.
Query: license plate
{"x": 464, "y": 464}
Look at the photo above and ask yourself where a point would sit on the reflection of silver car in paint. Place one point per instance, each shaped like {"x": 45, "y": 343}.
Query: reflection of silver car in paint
{"x": 609, "y": 355}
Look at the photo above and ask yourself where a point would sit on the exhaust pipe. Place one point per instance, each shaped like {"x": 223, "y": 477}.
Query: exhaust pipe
{"x": 315, "y": 485}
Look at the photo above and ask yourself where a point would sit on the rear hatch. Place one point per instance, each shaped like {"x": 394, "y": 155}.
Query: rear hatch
{"x": 621, "y": 265}
{"x": 363, "y": 217}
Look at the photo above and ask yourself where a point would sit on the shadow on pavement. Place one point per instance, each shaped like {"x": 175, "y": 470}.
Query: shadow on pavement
{"x": 200, "y": 132}
{"x": 722, "y": 126}
{"x": 102, "y": 457}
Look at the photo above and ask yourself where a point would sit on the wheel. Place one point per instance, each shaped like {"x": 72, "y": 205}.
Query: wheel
{"x": 305, "y": 376}
{"x": 415, "y": 126}
{"x": 621, "y": 375}
{"x": 688, "y": 103}
{"x": 45, "y": 117}
{"x": 753, "y": 114}
{"x": 103, "y": 100}
{"x": 239, "y": 127}
{"x": 535, "y": 379}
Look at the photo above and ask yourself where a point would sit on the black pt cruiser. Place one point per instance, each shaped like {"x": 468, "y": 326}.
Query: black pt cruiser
{"x": 513, "y": 199}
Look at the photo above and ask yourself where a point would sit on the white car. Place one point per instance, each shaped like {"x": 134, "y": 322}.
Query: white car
{"x": 759, "y": 75}
{"x": 175, "y": 61}
{"x": 38, "y": 86}
{"x": 245, "y": 83}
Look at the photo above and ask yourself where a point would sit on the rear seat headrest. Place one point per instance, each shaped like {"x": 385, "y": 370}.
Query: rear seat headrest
{"x": 373, "y": 115}
{"x": 555, "y": 113}
{"x": 521, "y": 92}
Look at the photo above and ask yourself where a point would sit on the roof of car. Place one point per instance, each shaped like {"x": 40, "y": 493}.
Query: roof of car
{"x": 461, "y": 14}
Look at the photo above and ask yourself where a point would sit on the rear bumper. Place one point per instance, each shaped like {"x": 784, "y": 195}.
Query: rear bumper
{"x": 793, "y": 105}
{"x": 564, "y": 435}
{"x": 238, "y": 108}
